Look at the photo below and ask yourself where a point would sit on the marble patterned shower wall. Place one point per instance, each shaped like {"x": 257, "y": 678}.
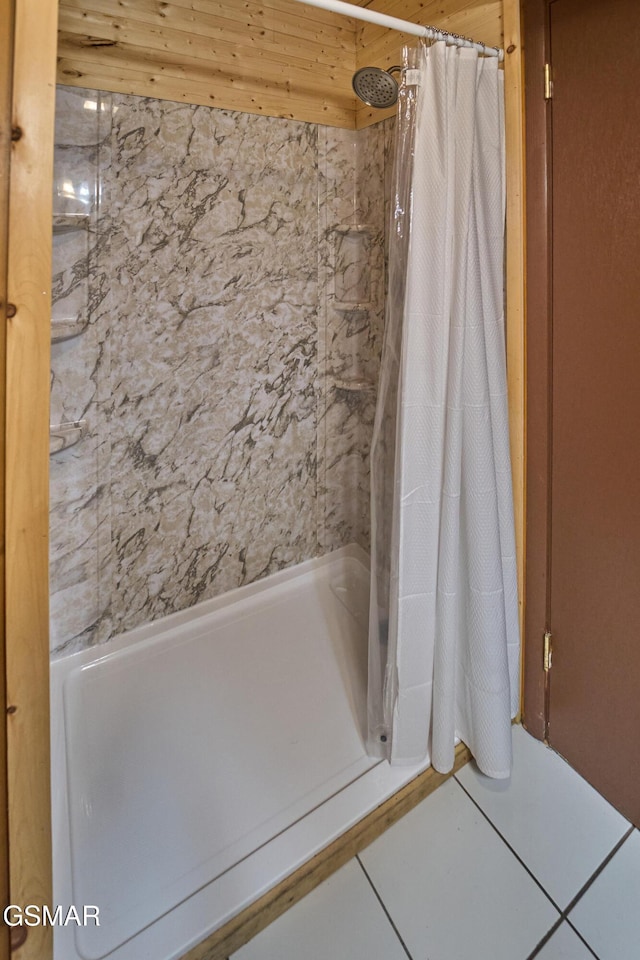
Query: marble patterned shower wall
{"x": 351, "y": 245}
{"x": 222, "y": 294}
{"x": 80, "y": 535}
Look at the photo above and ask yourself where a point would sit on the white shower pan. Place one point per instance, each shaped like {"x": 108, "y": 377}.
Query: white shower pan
{"x": 198, "y": 760}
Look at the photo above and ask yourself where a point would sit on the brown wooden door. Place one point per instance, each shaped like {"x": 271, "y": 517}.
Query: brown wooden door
{"x": 594, "y": 577}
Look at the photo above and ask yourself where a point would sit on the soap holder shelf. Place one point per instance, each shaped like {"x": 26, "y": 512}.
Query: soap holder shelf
{"x": 345, "y": 307}
{"x": 69, "y": 223}
{"x": 346, "y": 228}
{"x": 354, "y": 384}
{"x": 62, "y": 330}
{"x": 65, "y": 435}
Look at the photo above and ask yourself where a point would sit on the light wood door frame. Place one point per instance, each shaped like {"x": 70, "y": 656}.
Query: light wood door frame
{"x": 25, "y": 394}
{"x": 538, "y": 362}
{"x": 515, "y": 283}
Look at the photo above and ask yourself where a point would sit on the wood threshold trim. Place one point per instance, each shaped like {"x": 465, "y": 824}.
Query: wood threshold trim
{"x": 258, "y": 915}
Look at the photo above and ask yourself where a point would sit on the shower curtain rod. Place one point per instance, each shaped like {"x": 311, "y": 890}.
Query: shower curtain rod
{"x": 405, "y": 26}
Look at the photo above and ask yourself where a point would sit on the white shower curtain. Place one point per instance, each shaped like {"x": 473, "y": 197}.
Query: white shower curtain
{"x": 444, "y": 636}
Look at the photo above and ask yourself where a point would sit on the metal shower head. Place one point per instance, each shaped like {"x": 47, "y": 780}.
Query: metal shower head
{"x": 375, "y": 86}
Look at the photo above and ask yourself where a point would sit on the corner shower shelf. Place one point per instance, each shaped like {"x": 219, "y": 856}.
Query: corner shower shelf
{"x": 345, "y": 307}
{"x": 354, "y": 385}
{"x": 67, "y": 329}
{"x": 352, "y": 258}
{"x": 345, "y": 228}
{"x": 65, "y": 435}
{"x": 70, "y": 222}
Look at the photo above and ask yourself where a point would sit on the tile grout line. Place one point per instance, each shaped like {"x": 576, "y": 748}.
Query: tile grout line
{"x": 564, "y": 914}
{"x": 545, "y": 940}
{"x": 564, "y": 917}
{"x": 508, "y": 845}
{"x": 580, "y": 937}
{"x": 590, "y": 882}
{"x": 596, "y": 873}
{"x": 554, "y": 929}
{"x": 386, "y": 912}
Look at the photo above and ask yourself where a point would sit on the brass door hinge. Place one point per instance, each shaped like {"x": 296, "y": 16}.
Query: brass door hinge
{"x": 546, "y": 660}
{"x": 548, "y": 82}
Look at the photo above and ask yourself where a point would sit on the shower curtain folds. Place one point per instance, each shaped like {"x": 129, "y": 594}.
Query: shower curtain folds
{"x": 443, "y": 635}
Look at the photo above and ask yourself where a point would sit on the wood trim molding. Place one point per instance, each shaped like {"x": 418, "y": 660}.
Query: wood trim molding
{"x": 277, "y": 901}
{"x": 6, "y": 75}
{"x": 515, "y": 281}
{"x": 535, "y": 19}
{"x": 27, "y": 464}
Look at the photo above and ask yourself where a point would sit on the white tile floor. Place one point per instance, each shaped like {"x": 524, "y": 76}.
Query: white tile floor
{"x": 538, "y": 866}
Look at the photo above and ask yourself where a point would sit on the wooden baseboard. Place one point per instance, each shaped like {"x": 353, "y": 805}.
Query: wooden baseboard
{"x": 242, "y": 928}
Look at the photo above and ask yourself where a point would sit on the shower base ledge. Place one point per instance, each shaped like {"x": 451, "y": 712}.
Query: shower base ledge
{"x": 150, "y": 767}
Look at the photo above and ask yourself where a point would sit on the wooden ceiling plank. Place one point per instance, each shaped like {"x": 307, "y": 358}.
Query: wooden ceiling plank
{"x": 104, "y": 76}
{"x": 295, "y": 87}
{"x": 257, "y": 24}
{"x": 175, "y": 44}
{"x": 483, "y": 24}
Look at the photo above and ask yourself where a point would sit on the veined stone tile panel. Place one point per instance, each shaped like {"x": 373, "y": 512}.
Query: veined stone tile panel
{"x": 219, "y": 448}
{"x": 213, "y": 357}
{"x": 77, "y": 490}
{"x": 353, "y": 335}
{"x": 337, "y": 206}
